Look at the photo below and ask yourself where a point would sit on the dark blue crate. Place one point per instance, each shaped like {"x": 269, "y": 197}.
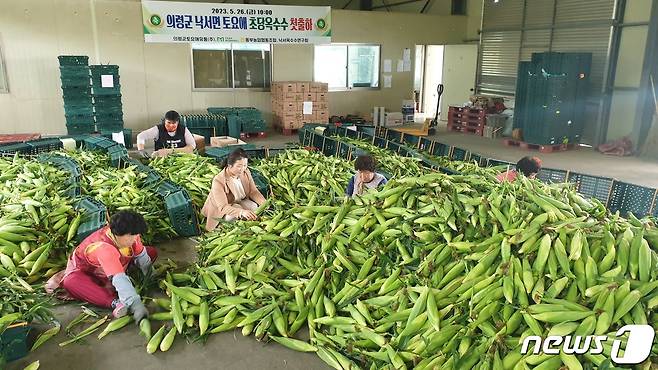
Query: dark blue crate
{"x": 380, "y": 142}
{"x": 393, "y": 135}
{"x": 552, "y": 176}
{"x": 459, "y": 154}
{"x": 592, "y": 186}
{"x": 329, "y": 146}
{"x": 477, "y": 159}
{"x": 14, "y": 342}
{"x": 381, "y": 131}
{"x": 411, "y": 140}
{"x": 393, "y": 146}
{"x": 345, "y": 150}
{"x": 495, "y": 162}
{"x": 425, "y": 144}
{"x": 440, "y": 149}
{"x": 352, "y": 133}
{"x": 11, "y": 149}
{"x": 629, "y": 198}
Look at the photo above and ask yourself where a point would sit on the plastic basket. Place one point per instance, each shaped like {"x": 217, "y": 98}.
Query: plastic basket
{"x": 261, "y": 182}
{"x": 552, "y": 176}
{"x": 118, "y": 155}
{"x": 80, "y": 119}
{"x": 411, "y": 140}
{"x": 14, "y": 342}
{"x": 636, "y": 199}
{"x": 459, "y": 154}
{"x": 477, "y": 159}
{"x": 116, "y": 90}
{"x": 79, "y": 130}
{"x": 181, "y": 213}
{"x": 167, "y": 187}
{"x": 381, "y": 131}
{"x": 394, "y": 136}
{"x": 219, "y": 154}
{"x": 495, "y": 162}
{"x": 11, "y": 149}
{"x": 380, "y": 142}
{"x": 152, "y": 177}
{"x": 440, "y": 149}
{"x": 44, "y": 145}
{"x": 76, "y": 92}
{"x": 329, "y": 146}
{"x": 73, "y": 60}
{"x": 393, "y": 146}
{"x": 95, "y": 217}
{"x": 85, "y": 109}
{"x": 425, "y": 144}
{"x": 592, "y": 186}
{"x": 345, "y": 150}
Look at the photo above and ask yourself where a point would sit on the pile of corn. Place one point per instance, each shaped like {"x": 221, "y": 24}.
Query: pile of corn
{"x": 191, "y": 171}
{"x": 430, "y": 272}
{"x": 121, "y": 189}
{"x": 391, "y": 164}
{"x": 37, "y": 221}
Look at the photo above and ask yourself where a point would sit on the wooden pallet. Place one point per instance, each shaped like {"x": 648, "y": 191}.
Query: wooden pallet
{"x": 546, "y": 148}
{"x": 475, "y": 130}
{"x": 252, "y": 135}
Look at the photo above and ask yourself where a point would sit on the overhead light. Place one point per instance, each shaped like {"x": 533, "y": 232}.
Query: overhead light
{"x": 496, "y": 1}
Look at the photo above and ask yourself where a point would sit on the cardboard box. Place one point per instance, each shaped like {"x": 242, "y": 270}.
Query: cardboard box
{"x": 321, "y": 97}
{"x": 291, "y": 106}
{"x": 223, "y": 141}
{"x": 286, "y": 86}
{"x": 320, "y": 106}
{"x": 324, "y": 87}
{"x": 307, "y": 96}
{"x": 322, "y": 116}
{"x": 304, "y": 87}
{"x": 393, "y": 119}
{"x": 200, "y": 143}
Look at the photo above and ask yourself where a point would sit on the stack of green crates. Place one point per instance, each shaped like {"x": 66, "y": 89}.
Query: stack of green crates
{"x": 552, "y": 109}
{"x": 206, "y": 125}
{"x": 108, "y": 110}
{"x": 250, "y": 119}
{"x": 76, "y": 91}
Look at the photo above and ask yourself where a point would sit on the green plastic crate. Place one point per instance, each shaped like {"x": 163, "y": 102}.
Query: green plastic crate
{"x": 181, "y": 213}
{"x": 261, "y": 182}
{"x": 80, "y": 129}
{"x": 44, "y": 145}
{"x": 167, "y": 187}
{"x": 219, "y": 154}
{"x": 95, "y": 217}
{"x": 10, "y": 149}
{"x": 118, "y": 155}
{"x": 83, "y": 109}
{"x": 14, "y": 342}
{"x": 73, "y": 60}
{"x": 116, "y": 90}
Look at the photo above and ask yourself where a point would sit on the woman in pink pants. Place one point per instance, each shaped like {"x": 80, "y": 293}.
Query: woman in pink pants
{"x": 96, "y": 270}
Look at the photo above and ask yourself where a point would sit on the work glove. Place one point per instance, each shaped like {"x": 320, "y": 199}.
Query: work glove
{"x": 144, "y": 154}
{"x": 138, "y": 310}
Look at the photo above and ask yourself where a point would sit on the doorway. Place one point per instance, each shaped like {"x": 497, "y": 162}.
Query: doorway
{"x": 454, "y": 66}
{"x": 428, "y": 74}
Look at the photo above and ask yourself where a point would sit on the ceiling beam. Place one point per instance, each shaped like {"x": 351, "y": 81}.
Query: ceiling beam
{"x": 395, "y": 4}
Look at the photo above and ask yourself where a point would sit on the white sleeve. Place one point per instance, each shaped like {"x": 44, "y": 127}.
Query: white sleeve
{"x": 149, "y": 135}
{"x": 189, "y": 139}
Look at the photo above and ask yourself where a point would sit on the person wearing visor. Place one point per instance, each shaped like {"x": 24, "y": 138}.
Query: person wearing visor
{"x": 168, "y": 136}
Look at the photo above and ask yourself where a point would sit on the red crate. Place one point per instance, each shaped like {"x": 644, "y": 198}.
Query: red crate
{"x": 540, "y": 147}
{"x": 475, "y": 130}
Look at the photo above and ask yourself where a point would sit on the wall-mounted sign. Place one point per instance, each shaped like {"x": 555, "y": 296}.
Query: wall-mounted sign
{"x": 166, "y": 21}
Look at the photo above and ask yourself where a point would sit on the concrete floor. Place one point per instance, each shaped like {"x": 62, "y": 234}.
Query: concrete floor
{"x": 126, "y": 349}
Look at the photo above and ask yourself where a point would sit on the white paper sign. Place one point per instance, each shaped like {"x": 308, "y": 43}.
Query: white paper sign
{"x": 388, "y": 65}
{"x": 406, "y": 55}
{"x": 407, "y": 66}
{"x": 107, "y": 81}
{"x": 308, "y": 107}
{"x": 400, "y": 65}
{"x": 118, "y": 137}
{"x": 387, "y": 81}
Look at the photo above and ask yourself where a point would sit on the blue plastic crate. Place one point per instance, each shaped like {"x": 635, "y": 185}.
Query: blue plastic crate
{"x": 393, "y": 146}
{"x": 440, "y": 149}
{"x": 14, "y": 342}
{"x": 381, "y": 131}
{"x": 380, "y": 142}
{"x": 425, "y": 144}
{"x": 459, "y": 154}
{"x": 345, "y": 150}
{"x": 636, "y": 199}
{"x": 592, "y": 186}
{"x": 10, "y": 149}
{"x": 552, "y": 176}
{"x": 393, "y": 135}
{"x": 411, "y": 140}
{"x": 495, "y": 162}
{"x": 329, "y": 146}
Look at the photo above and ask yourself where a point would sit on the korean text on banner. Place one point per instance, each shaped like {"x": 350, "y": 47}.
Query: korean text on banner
{"x": 189, "y": 22}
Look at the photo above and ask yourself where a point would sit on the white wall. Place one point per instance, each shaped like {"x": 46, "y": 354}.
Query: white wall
{"x": 157, "y": 77}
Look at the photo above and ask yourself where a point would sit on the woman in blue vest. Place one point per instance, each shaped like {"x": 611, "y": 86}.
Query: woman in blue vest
{"x": 365, "y": 177}
{"x": 168, "y": 136}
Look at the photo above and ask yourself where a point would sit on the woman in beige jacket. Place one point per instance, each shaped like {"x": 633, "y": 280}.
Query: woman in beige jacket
{"x": 233, "y": 194}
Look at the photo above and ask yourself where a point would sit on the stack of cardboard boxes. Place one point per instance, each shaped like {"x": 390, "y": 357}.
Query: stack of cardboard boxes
{"x": 296, "y": 103}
